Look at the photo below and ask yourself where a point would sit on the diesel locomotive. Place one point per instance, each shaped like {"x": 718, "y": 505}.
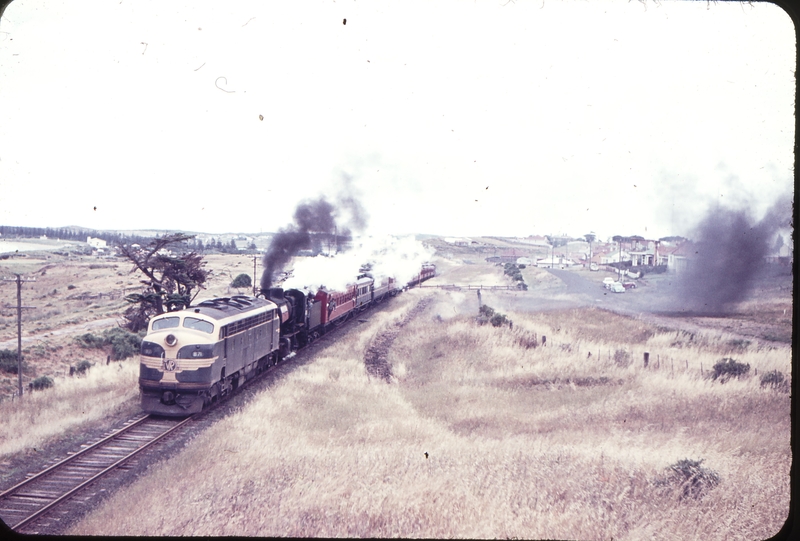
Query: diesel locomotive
{"x": 193, "y": 357}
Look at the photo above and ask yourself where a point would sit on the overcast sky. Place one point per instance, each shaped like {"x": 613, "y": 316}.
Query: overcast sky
{"x": 451, "y": 118}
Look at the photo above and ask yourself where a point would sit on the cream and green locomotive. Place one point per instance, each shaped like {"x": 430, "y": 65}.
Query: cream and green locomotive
{"x": 192, "y": 357}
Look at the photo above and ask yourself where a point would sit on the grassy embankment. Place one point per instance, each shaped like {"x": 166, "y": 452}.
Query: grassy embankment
{"x": 481, "y": 435}
{"x": 104, "y": 391}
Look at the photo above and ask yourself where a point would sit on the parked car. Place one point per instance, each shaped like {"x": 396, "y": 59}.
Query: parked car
{"x": 617, "y": 287}
{"x": 629, "y": 285}
{"x": 607, "y": 281}
{"x": 594, "y": 267}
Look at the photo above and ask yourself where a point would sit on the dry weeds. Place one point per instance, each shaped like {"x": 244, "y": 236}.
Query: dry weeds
{"x": 72, "y": 402}
{"x": 478, "y": 436}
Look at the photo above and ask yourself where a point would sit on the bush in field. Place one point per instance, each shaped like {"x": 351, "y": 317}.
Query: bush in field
{"x": 8, "y": 361}
{"x": 622, "y": 358}
{"x": 485, "y": 310}
{"x": 82, "y": 367}
{"x": 89, "y": 340}
{"x": 728, "y": 368}
{"x": 42, "y": 382}
{"x": 123, "y": 343}
{"x": 243, "y": 280}
{"x": 498, "y": 319}
{"x": 690, "y": 477}
{"x": 774, "y": 379}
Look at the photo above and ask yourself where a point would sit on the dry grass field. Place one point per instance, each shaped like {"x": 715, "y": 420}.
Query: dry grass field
{"x": 421, "y": 423}
{"x": 481, "y": 434}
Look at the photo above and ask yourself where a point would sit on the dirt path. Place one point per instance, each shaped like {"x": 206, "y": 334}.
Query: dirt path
{"x": 375, "y": 358}
{"x": 67, "y": 330}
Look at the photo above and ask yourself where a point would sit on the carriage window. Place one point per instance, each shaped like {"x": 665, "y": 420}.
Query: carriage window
{"x": 198, "y": 324}
{"x": 166, "y": 323}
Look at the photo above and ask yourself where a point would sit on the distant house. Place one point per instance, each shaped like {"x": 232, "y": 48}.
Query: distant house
{"x": 457, "y": 241}
{"x": 646, "y": 257}
{"x": 614, "y": 257}
{"x": 508, "y": 256}
{"x": 523, "y": 261}
{"x": 555, "y": 262}
{"x": 96, "y": 243}
{"x": 243, "y": 243}
{"x": 678, "y": 258}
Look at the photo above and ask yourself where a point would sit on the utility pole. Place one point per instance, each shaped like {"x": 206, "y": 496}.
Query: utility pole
{"x": 19, "y": 279}
{"x": 255, "y": 257}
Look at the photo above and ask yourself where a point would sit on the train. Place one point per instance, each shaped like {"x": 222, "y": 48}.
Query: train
{"x": 194, "y": 357}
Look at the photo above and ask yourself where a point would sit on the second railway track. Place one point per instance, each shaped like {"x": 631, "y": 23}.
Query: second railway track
{"x": 41, "y": 501}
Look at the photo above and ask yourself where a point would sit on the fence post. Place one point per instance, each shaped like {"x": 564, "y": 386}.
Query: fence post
{"x": 646, "y": 359}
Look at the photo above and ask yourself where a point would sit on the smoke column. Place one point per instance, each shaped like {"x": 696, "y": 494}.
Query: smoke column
{"x": 730, "y": 249}
{"x": 315, "y": 216}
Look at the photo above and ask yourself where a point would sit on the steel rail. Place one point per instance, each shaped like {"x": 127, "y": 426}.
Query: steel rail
{"x": 113, "y": 466}
{"x": 111, "y": 436}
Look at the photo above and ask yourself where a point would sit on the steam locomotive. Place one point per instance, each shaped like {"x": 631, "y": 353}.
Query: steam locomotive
{"x": 193, "y": 357}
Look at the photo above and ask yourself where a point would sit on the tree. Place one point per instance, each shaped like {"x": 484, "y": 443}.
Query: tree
{"x": 172, "y": 282}
{"x": 554, "y": 243}
{"x": 243, "y": 280}
{"x": 590, "y": 238}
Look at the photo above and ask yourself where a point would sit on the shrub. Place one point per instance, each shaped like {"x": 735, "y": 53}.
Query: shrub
{"x": 71, "y": 286}
{"x": 243, "y": 280}
{"x": 498, "y": 319}
{"x": 622, "y": 358}
{"x": 89, "y": 340}
{"x": 123, "y": 343}
{"x": 521, "y": 266}
{"x": 8, "y": 361}
{"x": 487, "y": 311}
{"x": 773, "y": 379}
{"x": 82, "y": 367}
{"x": 42, "y": 382}
{"x": 728, "y": 368}
{"x": 692, "y": 479}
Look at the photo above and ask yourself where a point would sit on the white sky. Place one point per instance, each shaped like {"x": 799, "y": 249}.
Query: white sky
{"x": 616, "y": 117}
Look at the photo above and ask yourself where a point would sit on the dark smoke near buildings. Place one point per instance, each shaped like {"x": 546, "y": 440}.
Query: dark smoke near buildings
{"x": 311, "y": 218}
{"x": 729, "y": 251}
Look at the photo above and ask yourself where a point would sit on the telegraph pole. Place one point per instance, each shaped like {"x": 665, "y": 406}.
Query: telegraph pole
{"x": 19, "y": 279}
{"x": 255, "y": 257}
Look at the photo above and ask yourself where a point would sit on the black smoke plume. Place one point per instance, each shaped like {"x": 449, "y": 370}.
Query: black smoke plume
{"x": 729, "y": 252}
{"x": 313, "y": 217}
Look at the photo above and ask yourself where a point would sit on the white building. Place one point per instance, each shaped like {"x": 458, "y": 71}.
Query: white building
{"x": 96, "y": 243}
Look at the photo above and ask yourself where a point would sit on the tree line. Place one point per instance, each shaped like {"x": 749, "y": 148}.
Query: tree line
{"x": 191, "y": 244}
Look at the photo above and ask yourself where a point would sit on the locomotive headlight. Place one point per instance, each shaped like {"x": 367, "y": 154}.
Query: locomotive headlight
{"x": 171, "y": 340}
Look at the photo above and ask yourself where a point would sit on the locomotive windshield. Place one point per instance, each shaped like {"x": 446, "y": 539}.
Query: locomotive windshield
{"x": 198, "y": 324}
{"x": 166, "y": 323}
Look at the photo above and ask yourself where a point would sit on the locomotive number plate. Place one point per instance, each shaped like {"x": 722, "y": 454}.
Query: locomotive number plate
{"x": 169, "y": 365}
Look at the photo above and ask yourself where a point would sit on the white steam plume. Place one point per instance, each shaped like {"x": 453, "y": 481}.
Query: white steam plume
{"x": 400, "y": 258}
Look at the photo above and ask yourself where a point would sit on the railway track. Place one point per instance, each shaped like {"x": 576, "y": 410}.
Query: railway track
{"x": 40, "y": 502}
